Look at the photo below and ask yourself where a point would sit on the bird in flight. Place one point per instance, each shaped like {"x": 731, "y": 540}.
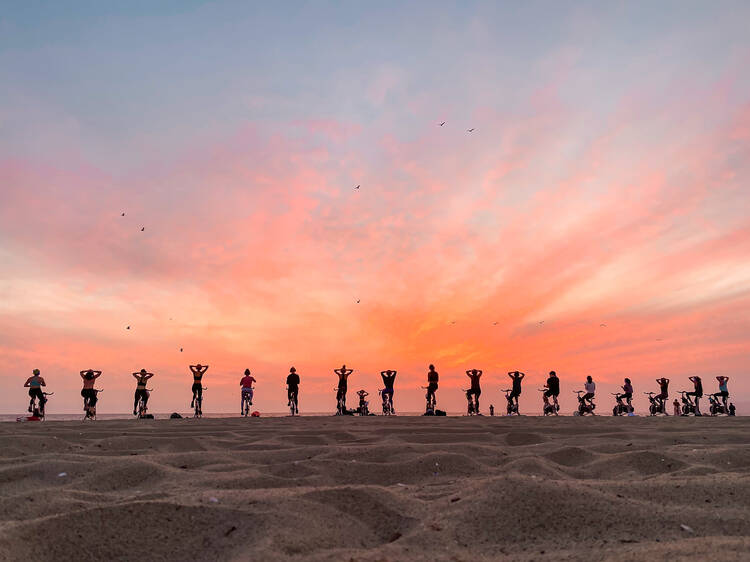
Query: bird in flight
{"x": 357, "y": 301}
{"x": 180, "y": 350}
{"x": 127, "y": 328}
{"x": 443, "y": 123}
{"x": 143, "y": 228}
{"x": 123, "y": 214}
{"x": 357, "y": 187}
{"x": 470, "y": 130}
{"x": 602, "y": 325}
{"x": 453, "y": 321}
{"x": 494, "y": 323}
{"x": 541, "y": 322}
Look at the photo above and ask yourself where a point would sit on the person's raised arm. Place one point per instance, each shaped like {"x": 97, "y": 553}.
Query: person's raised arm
{"x": 205, "y": 368}
{"x": 149, "y": 375}
{"x": 521, "y": 375}
{"x": 468, "y": 373}
{"x": 337, "y": 371}
{"x": 97, "y": 374}
{"x": 479, "y": 372}
{"x": 193, "y": 368}
{"x": 136, "y": 375}
{"x": 83, "y": 374}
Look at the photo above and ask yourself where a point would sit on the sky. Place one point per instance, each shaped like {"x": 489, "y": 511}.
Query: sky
{"x": 594, "y": 222}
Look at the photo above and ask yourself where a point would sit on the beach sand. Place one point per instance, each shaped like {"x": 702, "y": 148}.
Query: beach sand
{"x": 401, "y": 488}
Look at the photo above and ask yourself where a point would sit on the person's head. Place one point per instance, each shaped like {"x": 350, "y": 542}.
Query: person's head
{"x": 89, "y": 375}
{"x": 552, "y": 374}
{"x": 432, "y": 367}
{"x": 292, "y": 370}
{"x": 247, "y": 372}
{"x": 589, "y": 379}
{"x": 143, "y": 371}
{"x": 343, "y": 367}
{"x": 36, "y": 372}
{"x": 627, "y": 380}
{"x": 199, "y": 366}
{"x": 474, "y": 371}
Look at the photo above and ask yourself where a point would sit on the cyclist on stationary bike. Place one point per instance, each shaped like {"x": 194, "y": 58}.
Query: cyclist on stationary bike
{"x": 475, "y": 391}
{"x": 432, "y": 385}
{"x": 343, "y": 374}
{"x": 663, "y": 394}
{"x": 697, "y": 393}
{"x": 198, "y": 372}
{"x": 35, "y": 383}
{"x": 246, "y": 383}
{"x": 516, "y": 377}
{"x": 141, "y": 378}
{"x": 388, "y": 377}
{"x": 88, "y": 392}
{"x": 292, "y": 390}
{"x": 553, "y": 390}
{"x": 627, "y": 394}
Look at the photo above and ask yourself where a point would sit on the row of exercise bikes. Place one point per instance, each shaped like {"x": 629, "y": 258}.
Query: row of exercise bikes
{"x": 623, "y": 404}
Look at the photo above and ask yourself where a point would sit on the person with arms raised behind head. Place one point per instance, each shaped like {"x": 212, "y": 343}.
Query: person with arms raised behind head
{"x": 475, "y": 389}
{"x": 343, "y": 374}
{"x": 198, "y": 372}
{"x": 141, "y": 378}
{"x": 88, "y": 392}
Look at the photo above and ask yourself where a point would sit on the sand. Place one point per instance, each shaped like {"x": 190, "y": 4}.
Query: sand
{"x": 401, "y": 488}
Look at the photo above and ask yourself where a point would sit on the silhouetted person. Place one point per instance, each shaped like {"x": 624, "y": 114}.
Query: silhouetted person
{"x": 198, "y": 372}
{"x": 475, "y": 390}
{"x": 292, "y": 389}
{"x": 343, "y": 374}
{"x": 663, "y": 393}
{"x": 141, "y": 378}
{"x": 697, "y": 393}
{"x": 432, "y": 386}
{"x": 516, "y": 377}
{"x": 87, "y": 392}
{"x": 723, "y": 390}
{"x": 35, "y": 383}
{"x": 553, "y": 390}
{"x": 389, "y": 378}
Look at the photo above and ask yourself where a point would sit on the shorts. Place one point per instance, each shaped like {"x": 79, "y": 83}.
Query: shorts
{"x": 197, "y": 386}
{"x": 626, "y": 396}
{"x": 549, "y": 393}
{"x": 141, "y": 392}
{"x": 341, "y": 393}
{"x": 387, "y": 391}
{"x": 432, "y": 387}
{"x": 247, "y": 392}
{"x": 36, "y": 392}
{"x": 475, "y": 391}
{"x": 515, "y": 393}
{"x": 90, "y": 395}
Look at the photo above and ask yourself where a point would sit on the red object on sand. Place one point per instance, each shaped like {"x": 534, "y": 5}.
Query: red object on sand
{"x": 255, "y": 414}
{"x": 28, "y": 418}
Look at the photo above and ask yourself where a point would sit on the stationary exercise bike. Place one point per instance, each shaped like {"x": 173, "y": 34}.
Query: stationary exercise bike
{"x": 657, "y": 406}
{"x": 585, "y": 405}
{"x": 621, "y": 408}
{"x": 688, "y": 406}
{"x": 512, "y": 407}
{"x": 549, "y": 409}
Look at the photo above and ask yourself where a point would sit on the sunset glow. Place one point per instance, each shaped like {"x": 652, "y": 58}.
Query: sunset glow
{"x": 595, "y": 222}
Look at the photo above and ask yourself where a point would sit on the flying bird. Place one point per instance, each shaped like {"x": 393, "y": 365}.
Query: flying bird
{"x": 143, "y": 228}
{"x": 470, "y": 130}
{"x": 602, "y": 325}
{"x": 127, "y": 328}
{"x": 123, "y": 214}
{"x": 357, "y": 187}
{"x": 494, "y": 323}
{"x": 541, "y": 322}
{"x": 180, "y": 350}
{"x": 443, "y": 123}
{"x": 453, "y": 322}
{"x": 357, "y": 301}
